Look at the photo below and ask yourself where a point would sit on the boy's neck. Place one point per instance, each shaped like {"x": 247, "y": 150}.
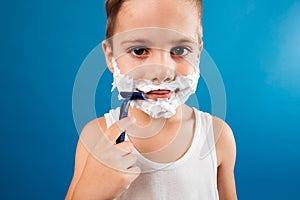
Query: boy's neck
{"x": 155, "y": 137}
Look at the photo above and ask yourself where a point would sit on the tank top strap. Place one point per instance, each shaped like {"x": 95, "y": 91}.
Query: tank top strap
{"x": 207, "y": 150}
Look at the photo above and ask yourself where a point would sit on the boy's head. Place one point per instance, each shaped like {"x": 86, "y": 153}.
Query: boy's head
{"x": 158, "y": 44}
{"x": 124, "y": 16}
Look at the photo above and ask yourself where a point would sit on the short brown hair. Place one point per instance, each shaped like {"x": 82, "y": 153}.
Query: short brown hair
{"x": 112, "y": 8}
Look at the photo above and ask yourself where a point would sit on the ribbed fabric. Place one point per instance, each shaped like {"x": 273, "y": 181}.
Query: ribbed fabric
{"x": 192, "y": 177}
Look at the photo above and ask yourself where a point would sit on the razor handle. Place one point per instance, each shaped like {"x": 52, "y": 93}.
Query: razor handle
{"x": 123, "y": 114}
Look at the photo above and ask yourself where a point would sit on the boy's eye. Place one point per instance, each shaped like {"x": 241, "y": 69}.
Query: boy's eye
{"x": 180, "y": 51}
{"x": 139, "y": 51}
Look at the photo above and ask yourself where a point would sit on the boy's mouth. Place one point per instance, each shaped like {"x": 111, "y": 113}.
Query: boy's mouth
{"x": 158, "y": 94}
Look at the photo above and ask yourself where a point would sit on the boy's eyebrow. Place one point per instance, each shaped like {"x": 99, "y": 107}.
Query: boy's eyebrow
{"x": 183, "y": 40}
{"x": 148, "y": 42}
{"x": 141, "y": 41}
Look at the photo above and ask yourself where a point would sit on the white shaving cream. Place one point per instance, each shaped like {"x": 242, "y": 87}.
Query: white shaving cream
{"x": 183, "y": 86}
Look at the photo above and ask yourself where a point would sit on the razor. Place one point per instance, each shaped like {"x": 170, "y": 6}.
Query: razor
{"x": 129, "y": 96}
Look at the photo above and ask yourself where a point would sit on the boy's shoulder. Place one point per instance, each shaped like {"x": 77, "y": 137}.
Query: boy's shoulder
{"x": 92, "y": 130}
{"x": 97, "y": 123}
{"x": 224, "y": 141}
{"x": 219, "y": 125}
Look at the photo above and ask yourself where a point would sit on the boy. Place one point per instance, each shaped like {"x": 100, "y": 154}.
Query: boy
{"x": 171, "y": 151}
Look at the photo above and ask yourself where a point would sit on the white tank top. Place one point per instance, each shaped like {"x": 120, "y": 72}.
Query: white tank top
{"x": 192, "y": 177}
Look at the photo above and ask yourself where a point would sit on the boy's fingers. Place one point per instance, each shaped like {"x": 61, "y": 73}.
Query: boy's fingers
{"x": 126, "y": 147}
{"x": 129, "y": 160}
{"x": 124, "y": 163}
{"x": 115, "y": 130}
{"x": 132, "y": 173}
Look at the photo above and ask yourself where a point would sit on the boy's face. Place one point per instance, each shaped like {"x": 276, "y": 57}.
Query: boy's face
{"x": 156, "y": 40}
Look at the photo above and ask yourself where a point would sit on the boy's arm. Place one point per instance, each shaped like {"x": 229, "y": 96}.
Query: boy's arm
{"x": 226, "y": 156}
{"x": 103, "y": 169}
{"x": 82, "y": 154}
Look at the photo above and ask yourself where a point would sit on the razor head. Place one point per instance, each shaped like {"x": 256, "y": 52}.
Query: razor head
{"x": 133, "y": 95}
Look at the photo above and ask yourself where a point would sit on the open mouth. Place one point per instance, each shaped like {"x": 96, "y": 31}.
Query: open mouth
{"x": 158, "y": 94}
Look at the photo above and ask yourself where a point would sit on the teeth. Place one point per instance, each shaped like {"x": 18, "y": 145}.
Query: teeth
{"x": 147, "y": 86}
{"x": 148, "y": 89}
{"x": 151, "y": 90}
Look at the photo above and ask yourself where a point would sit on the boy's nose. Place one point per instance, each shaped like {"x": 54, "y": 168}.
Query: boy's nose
{"x": 162, "y": 69}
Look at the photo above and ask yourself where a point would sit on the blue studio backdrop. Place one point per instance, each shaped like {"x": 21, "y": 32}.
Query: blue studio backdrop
{"x": 254, "y": 43}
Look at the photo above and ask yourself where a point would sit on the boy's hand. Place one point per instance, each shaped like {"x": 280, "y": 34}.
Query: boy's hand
{"x": 110, "y": 168}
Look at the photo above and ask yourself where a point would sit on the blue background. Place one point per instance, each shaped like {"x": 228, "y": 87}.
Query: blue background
{"x": 255, "y": 44}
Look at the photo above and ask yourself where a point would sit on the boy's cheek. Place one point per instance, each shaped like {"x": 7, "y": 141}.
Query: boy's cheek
{"x": 129, "y": 67}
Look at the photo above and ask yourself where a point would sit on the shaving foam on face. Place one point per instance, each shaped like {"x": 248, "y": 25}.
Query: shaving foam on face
{"x": 183, "y": 86}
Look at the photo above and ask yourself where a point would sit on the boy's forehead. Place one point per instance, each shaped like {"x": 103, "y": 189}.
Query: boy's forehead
{"x": 178, "y": 15}
{"x": 152, "y": 36}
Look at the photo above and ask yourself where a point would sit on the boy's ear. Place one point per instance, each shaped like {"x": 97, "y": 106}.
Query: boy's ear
{"x": 200, "y": 49}
{"x": 107, "y": 49}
